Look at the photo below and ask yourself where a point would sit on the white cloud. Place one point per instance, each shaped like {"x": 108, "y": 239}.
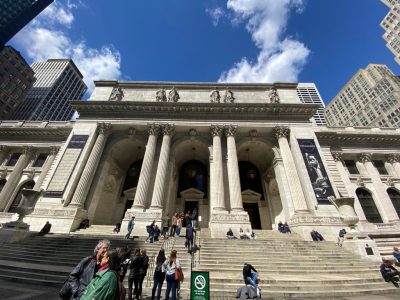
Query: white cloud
{"x": 280, "y": 58}
{"x": 48, "y": 37}
{"x": 216, "y": 14}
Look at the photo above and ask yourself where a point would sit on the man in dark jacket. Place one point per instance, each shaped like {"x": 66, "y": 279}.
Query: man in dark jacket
{"x": 249, "y": 277}
{"x": 83, "y": 273}
{"x": 389, "y": 273}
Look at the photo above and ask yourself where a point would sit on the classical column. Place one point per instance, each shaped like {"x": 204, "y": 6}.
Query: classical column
{"x": 159, "y": 185}
{"x": 147, "y": 166}
{"x": 52, "y": 154}
{"x": 382, "y": 199}
{"x": 233, "y": 170}
{"x": 81, "y": 191}
{"x": 14, "y": 177}
{"x": 217, "y": 194}
{"x": 299, "y": 202}
{"x": 394, "y": 160}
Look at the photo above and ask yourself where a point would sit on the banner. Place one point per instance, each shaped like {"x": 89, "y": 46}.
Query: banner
{"x": 316, "y": 171}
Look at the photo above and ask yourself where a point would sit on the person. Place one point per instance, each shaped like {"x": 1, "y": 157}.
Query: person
{"x": 316, "y": 236}
{"x": 194, "y": 218}
{"x": 159, "y": 275}
{"x": 124, "y": 261}
{"x": 117, "y": 228}
{"x": 84, "y": 224}
{"x": 173, "y": 222}
{"x": 251, "y": 277}
{"x": 104, "y": 284}
{"x": 134, "y": 274}
{"x": 285, "y": 228}
{"x": 156, "y": 233}
{"x": 46, "y": 229}
{"x": 230, "y": 235}
{"x": 169, "y": 266}
{"x": 250, "y": 235}
{"x": 131, "y": 224}
{"x": 280, "y": 226}
{"x": 396, "y": 254}
{"x": 165, "y": 223}
{"x": 83, "y": 273}
{"x": 340, "y": 239}
{"x": 150, "y": 230}
{"x": 178, "y": 226}
{"x": 242, "y": 234}
{"x": 142, "y": 270}
{"x": 190, "y": 238}
{"x": 389, "y": 273}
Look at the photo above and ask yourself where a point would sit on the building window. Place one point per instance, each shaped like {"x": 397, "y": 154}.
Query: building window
{"x": 368, "y": 206}
{"x": 40, "y": 160}
{"x": 13, "y": 159}
{"x": 351, "y": 166}
{"x": 394, "y": 195}
{"x": 380, "y": 166}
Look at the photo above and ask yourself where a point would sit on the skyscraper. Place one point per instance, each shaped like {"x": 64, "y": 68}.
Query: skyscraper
{"x": 16, "y": 78}
{"x": 15, "y": 14}
{"x": 392, "y": 29}
{"x": 308, "y": 93}
{"x": 57, "y": 82}
{"x": 371, "y": 98}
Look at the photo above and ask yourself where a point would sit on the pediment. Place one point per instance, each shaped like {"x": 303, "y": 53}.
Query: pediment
{"x": 130, "y": 193}
{"x": 251, "y": 195}
{"x": 192, "y": 193}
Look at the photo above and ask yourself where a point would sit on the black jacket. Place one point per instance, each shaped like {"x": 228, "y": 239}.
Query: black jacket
{"x": 136, "y": 266}
{"x": 81, "y": 275}
{"x": 247, "y": 270}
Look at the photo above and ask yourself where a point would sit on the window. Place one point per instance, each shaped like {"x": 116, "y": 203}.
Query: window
{"x": 13, "y": 159}
{"x": 394, "y": 195}
{"x": 380, "y": 166}
{"x": 351, "y": 166}
{"x": 40, "y": 160}
{"x": 368, "y": 206}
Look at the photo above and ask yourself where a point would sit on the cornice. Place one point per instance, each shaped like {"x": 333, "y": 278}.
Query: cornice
{"x": 199, "y": 111}
{"x": 34, "y": 133}
{"x": 195, "y": 85}
{"x": 358, "y": 139}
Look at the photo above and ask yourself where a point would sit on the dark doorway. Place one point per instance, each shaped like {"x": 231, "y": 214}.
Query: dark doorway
{"x": 189, "y": 206}
{"x": 254, "y": 215}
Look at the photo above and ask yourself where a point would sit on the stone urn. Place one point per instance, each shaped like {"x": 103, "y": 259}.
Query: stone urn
{"x": 26, "y": 206}
{"x": 345, "y": 206}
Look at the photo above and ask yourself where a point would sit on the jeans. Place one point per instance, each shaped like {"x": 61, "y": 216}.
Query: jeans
{"x": 129, "y": 233}
{"x": 157, "y": 286}
{"x": 171, "y": 286}
{"x": 252, "y": 280}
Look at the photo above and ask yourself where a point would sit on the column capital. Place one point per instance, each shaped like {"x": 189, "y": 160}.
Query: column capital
{"x": 53, "y": 150}
{"x": 154, "y": 129}
{"x": 281, "y": 131}
{"x": 104, "y": 127}
{"x": 216, "y": 130}
{"x": 337, "y": 155}
{"x": 168, "y": 129}
{"x": 365, "y": 157}
{"x": 393, "y": 158}
{"x": 231, "y": 130}
{"x": 3, "y": 148}
{"x": 28, "y": 150}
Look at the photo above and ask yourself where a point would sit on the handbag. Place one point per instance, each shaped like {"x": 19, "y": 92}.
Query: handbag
{"x": 178, "y": 274}
{"x": 66, "y": 290}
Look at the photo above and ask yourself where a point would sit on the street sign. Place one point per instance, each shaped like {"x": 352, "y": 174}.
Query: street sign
{"x": 200, "y": 286}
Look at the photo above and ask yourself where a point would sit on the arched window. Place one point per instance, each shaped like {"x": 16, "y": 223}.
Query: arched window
{"x": 250, "y": 178}
{"x": 368, "y": 206}
{"x": 17, "y": 200}
{"x": 132, "y": 175}
{"x": 394, "y": 195}
{"x": 193, "y": 174}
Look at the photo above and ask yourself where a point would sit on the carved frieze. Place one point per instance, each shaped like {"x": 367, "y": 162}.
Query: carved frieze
{"x": 310, "y": 220}
{"x": 229, "y": 218}
{"x": 117, "y": 94}
{"x": 173, "y": 95}
{"x": 273, "y": 96}
{"x": 54, "y": 212}
{"x": 215, "y": 97}
{"x": 228, "y": 97}
{"x": 161, "y": 96}
{"x": 281, "y": 131}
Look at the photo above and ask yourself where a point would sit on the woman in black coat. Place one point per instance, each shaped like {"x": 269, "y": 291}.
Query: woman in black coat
{"x": 134, "y": 275}
{"x": 159, "y": 274}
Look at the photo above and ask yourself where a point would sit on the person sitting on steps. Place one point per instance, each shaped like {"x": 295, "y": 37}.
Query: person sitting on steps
{"x": 251, "y": 277}
{"x": 389, "y": 273}
{"x": 230, "y": 235}
{"x": 316, "y": 236}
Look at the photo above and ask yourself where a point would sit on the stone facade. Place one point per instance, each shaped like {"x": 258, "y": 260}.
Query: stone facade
{"x": 162, "y": 148}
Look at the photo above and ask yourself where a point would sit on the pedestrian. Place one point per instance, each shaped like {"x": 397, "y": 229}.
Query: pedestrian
{"x": 178, "y": 226}
{"x": 150, "y": 230}
{"x": 170, "y": 266}
{"x": 83, "y": 273}
{"x": 165, "y": 223}
{"x": 142, "y": 270}
{"x": 159, "y": 275}
{"x": 134, "y": 274}
{"x": 173, "y": 226}
{"x": 340, "y": 239}
{"x": 251, "y": 277}
{"x": 190, "y": 232}
{"x": 104, "y": 284}
{"x": 131, "y": 224}
{"x": 316, "y": 236}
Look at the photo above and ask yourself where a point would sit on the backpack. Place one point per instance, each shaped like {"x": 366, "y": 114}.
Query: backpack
{"x": 149, "y": 229}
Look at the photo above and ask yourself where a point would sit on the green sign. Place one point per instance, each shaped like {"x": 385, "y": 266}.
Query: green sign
{"x": 200, "y": 286}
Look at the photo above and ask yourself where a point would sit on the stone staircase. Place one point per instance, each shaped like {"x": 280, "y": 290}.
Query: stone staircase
{"x": 289, "y": 267}
{"x": 386, "y": 242}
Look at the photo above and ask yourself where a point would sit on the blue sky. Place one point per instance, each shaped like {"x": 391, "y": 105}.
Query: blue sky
{"x": 321, "y": 41}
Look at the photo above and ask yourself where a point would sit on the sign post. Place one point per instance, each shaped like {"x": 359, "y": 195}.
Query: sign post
{"x": 200, "y": 285}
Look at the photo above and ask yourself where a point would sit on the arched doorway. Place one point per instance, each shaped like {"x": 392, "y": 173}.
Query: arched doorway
{"x": 17, "y": 200}
{"x": 394, "y": 195}
{"x": 252, "y": 192}
{"x": 130, "y": 183}
{"x": 368, "y": 205}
